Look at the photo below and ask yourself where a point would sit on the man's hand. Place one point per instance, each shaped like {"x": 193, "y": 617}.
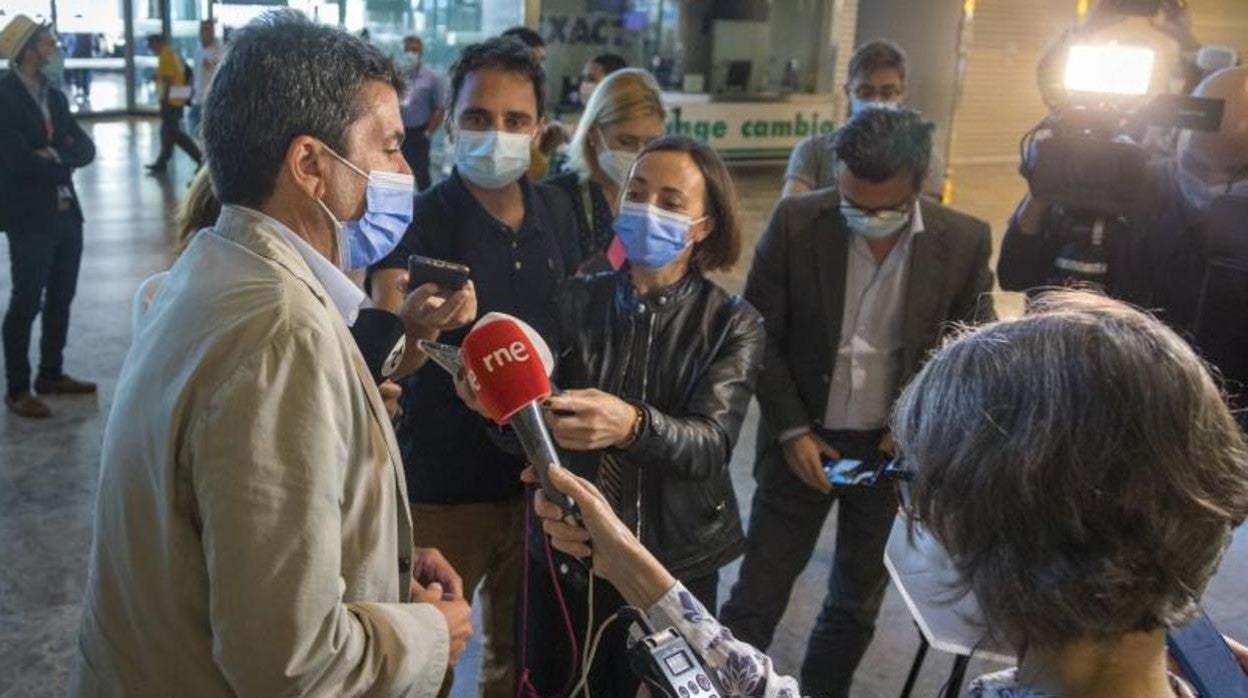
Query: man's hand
{"x": 888, "y": 445}
{"x": 46, "y": 153}
{"x": 1175, "y": 21}
{"x": 456, "y": 611}
{"x": 430, "y": 567}
{"x": 589, "y": 420}
{"x": 1102, "y": 16}
{"x": 1030, "y": 215}
{"x": 390, "y": 393}
{"x": 805, "y": 455}
{"x": 432, "y": 309}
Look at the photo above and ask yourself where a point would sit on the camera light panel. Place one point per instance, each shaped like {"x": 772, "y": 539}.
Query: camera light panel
{"x": 1109, "y": 69}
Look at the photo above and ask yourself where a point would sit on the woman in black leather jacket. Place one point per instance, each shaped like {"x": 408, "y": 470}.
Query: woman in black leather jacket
{"x": 657, "y": 365}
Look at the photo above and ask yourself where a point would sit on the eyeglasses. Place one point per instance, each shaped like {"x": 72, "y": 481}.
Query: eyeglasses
{"x": 884, "y": 93}
{"x": 895, "y": 471}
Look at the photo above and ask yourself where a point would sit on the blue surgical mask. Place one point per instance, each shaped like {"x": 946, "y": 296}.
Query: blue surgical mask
{"x": 1200, "y": 196}
{"x": 408, "y": 61}
{"x": 388, "y": 200}
{"x": 651, "y": 237}
{"x": 857, "y": 106}
{"x": 54, "y": 71}
{"x": 873, "y": 226}
{"x": 491, "y": 159}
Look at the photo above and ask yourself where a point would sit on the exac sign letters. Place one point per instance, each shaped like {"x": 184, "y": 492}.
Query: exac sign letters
{"x": 586, "y": 30}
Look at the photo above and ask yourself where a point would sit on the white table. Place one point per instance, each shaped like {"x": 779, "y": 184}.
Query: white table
{"x": 947, "y": 619}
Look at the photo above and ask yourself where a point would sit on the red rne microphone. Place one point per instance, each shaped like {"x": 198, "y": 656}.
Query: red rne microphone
{"x": 508, "y": 365}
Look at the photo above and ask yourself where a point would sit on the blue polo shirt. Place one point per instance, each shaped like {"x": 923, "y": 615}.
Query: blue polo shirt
{"x": 447, "y": 451}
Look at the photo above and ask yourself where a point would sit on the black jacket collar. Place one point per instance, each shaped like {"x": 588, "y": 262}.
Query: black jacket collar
{"x": 664, "y": 300}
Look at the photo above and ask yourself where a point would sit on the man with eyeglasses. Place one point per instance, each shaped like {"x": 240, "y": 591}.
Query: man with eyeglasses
{"x": 856, "y": 284}
{"x": 877, "y": 77}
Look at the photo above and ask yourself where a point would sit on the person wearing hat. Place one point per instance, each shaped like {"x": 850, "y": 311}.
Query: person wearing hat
{"x": 40, "y": 147}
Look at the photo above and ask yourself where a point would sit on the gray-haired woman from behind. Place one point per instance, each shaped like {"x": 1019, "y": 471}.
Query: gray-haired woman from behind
{"x": 1080, "y": 467}
{"x": 1084, "y": 474}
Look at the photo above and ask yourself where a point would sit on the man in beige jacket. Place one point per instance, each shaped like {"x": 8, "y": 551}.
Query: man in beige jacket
{"x": 252, "y": 532}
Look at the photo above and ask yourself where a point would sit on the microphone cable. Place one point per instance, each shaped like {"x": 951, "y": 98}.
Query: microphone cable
{"x": 524, "y": 686}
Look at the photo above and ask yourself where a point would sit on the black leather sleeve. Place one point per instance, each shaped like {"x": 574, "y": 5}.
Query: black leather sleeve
{"x": 698, "y": 444}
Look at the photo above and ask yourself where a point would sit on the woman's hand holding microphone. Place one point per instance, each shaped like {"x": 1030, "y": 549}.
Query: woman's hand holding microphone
{"x": 613, "y": 552}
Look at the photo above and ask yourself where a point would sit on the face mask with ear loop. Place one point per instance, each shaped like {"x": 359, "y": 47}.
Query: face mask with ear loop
{"x": 652, "y": 237}
{"x": 874, "y": 226}
{"x": 388, "y": 201}
{"x": 615, "y": 164}
{"x": 491, "y": 159}
{"x": 1200, "y": 195}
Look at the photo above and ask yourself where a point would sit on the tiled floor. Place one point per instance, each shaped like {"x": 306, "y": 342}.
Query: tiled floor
{"x": 48, "y": 470}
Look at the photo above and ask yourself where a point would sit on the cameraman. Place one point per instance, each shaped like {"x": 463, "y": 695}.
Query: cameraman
{"x": 1160, "y": 262}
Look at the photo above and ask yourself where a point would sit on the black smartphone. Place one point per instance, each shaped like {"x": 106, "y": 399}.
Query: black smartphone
{"x": 1206, "y": 659}
{"x": 427, "y": 270}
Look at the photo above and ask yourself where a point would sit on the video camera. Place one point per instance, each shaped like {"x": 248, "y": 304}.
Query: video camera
{"x": 1085, "y": 161}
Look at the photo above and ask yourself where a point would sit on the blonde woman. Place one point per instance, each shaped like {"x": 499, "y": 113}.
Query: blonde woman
{"x": 198, "y": 209}
{"x": 624, "y": 114}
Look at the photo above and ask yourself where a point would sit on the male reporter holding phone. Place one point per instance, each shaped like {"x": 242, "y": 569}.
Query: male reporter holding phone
{"x": 252, "y": 533}
{"x": 518, "y": 241}
{"x": 855, "y": 284}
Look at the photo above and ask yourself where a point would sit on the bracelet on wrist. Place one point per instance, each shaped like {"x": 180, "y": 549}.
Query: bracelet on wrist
{"x": 634, "y": 433}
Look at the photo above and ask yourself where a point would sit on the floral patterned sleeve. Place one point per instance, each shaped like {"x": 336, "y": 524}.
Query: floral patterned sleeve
{"x": 741, "y": 670}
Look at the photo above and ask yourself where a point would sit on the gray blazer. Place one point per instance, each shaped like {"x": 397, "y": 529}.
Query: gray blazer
{"x": 797, "y": 282}
{"x": 252, "y": 531}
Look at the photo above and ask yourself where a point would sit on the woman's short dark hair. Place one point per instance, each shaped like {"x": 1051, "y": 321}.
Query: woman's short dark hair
{"x": 283, "y": 76}
{"x": 722, "y": 246}
{"x": 498, "y": 53}
{"x": 878, "y": 143}
{"x": 610, "y": 62}
{"x": 1080, "y": 466}
{"x": 878, "y": 54}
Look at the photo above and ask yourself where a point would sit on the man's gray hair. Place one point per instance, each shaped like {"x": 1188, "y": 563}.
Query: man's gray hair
{"x": 283, "y": 76}
{"x": 1081, "y": 467}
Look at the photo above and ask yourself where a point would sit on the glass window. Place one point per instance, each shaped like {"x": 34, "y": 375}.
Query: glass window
{"x": 93, "y": 35}
{"x": 147, "y": 21}
{"x": 185, "y": 16}
{"x": 576, "y": 31}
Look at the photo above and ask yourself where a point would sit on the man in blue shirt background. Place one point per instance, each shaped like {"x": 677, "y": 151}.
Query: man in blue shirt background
{"x": 423, "y": 106}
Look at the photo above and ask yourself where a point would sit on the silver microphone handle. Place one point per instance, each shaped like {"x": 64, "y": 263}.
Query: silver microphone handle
{"x": 540, "y": 451}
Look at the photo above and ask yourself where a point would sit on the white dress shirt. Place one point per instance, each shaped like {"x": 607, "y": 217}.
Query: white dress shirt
{"x": 348, "y": 297}
{"x": 867, "y": 364}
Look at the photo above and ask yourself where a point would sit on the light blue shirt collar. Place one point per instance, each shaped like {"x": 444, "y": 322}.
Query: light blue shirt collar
{"x": 346, "y": 296}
